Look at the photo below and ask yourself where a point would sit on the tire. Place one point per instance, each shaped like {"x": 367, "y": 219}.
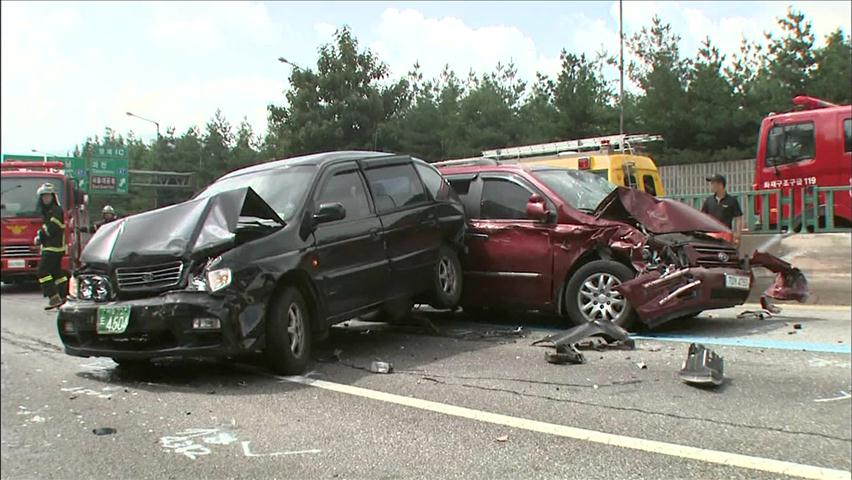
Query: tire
{"x": 447, "y": 279}
{"x": 593, "y": 277}
{"x": 288, "y": 334}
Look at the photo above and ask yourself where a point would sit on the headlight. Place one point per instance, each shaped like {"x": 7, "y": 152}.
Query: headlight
{"x": 95, "y": 288}
{"x": 218, "y": 279}
{"x": 73, "y": 287}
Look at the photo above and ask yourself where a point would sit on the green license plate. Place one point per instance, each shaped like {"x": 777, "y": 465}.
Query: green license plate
{"x": 113, "y": 320}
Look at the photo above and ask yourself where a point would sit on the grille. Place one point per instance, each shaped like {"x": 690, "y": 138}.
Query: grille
{"x": 710, "y": 256}
{"x": 20, "y": 251}
{"x": 153, "y": 277}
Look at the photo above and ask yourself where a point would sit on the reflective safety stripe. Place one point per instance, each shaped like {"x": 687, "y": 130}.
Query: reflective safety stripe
{"x": 45, "y": 279}
{"x": 54, "y": 249}
{"x": 57, "y": 221}
{"x": 61, "y": 280}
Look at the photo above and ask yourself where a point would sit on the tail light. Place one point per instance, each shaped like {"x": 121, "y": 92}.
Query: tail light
{"x": 584, "y": 163}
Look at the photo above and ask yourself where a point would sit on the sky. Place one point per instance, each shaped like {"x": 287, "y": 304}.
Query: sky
{"x": 69, "y": 69}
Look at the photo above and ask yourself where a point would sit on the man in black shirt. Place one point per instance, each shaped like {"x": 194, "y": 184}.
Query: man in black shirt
{"x": 724, "y": 207}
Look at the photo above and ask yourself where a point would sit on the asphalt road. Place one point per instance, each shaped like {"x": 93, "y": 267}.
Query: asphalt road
{"x": 785, "y": 400}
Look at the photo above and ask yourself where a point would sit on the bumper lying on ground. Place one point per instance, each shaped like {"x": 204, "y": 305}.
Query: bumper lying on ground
{"x": 659, "y": 298}
{"x": 160, "y": 326}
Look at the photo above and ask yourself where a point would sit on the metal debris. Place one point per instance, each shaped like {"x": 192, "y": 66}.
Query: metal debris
{"x": 797, "y": 326}
{"x": 104, "y": 431}
{"x": 754, "y": 315}
{"x": 565, "y": 353}
{"x": 702, "y": 367}
{"x": 381, "y": 367}
{"x": 502, "y": 439}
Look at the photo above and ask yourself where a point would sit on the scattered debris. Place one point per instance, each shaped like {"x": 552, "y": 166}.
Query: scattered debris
{"x": 333, "y": 358}
{"x": 611, "y": 335}
{"x": 843, "y": 396}
{"x": 755, "y": 315}
{"x": 767, "y": 305}
{"x": 381, "y": 367}
{"x": 37, "y": 419}
{"x": 565, "y": 353}
{"x": 104, "y": 431}
{"x": 655, "y": 348}
{"x": 797, "y": 326}
{"x": 792, "y": 332}
{"x": 502, "y": 439}
{"x": 642, "y": 366}
{"x": 702, "y": 367}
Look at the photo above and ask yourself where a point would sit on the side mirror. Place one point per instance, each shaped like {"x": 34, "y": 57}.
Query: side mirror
{"x": 329, "y": 212}
{"x": 536, "y": 209}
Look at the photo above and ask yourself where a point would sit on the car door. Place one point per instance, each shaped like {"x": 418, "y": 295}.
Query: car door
{"x": 410, "y": 223}
{"x": 352, "y": 267}
{"x": 509, "y": 258}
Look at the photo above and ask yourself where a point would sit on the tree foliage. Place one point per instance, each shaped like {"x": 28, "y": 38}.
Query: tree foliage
{"x": 707, "y": 108}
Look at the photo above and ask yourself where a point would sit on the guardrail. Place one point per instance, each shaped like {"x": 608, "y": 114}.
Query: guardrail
{"x": 811, "y": 209}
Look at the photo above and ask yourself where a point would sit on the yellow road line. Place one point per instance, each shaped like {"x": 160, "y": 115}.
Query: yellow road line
{"x": 681, "y": 451}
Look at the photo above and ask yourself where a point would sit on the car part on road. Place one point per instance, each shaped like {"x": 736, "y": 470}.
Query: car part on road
{"x": 381, "y": 367}
{"x": 754, "y": 315}
{"x": 103, "y": 431}
{"x": 702, "y": 367}
{"x": 610, "y": 332}
{"x": 790, "y": 282}
{"x": 565, "y": 353}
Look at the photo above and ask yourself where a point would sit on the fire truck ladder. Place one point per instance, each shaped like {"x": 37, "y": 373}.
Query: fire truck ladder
{"x": 619, "y": 143}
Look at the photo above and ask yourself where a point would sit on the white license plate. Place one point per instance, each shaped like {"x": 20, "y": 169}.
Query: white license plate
{"x": 16, "y": 263}
{"x": 737, "y": 281}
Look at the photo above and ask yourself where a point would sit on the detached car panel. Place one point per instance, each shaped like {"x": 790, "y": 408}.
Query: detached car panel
{"x": 569, "y": 242}
{"x": 265, "y": 257}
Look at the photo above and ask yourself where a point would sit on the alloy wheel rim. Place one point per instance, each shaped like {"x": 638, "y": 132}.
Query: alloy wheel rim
{"x": 598, "y": 299}
{"x": 295, "y": 329}
{"x": 447, "y": 275}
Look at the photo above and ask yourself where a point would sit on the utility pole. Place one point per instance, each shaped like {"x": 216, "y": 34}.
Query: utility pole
{"x": 620, "y": 69}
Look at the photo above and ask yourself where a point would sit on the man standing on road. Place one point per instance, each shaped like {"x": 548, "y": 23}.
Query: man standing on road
{"x": 51, "y": 237}
{"x": 724, "y": 207}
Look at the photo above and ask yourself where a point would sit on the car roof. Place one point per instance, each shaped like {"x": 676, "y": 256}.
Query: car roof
{"x": 511, "y": 168}
{"x": 314, "y": 159}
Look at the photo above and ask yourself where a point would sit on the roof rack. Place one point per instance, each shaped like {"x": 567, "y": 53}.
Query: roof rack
{"x": 465, "y": 162}
{"x": 621, "y": 143}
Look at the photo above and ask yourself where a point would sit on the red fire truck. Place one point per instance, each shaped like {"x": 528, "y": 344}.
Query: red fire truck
{"x": 20, "y": 218}
{"x": 806, "y": 155}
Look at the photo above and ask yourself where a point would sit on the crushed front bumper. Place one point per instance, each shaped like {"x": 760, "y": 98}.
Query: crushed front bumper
{"x": 658, "y": 299}
{"x": 159, "y": 326}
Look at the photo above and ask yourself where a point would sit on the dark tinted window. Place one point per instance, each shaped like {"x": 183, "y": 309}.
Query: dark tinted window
{"x": 347, "y": 189}
{"x": 790, "y": 143}
{"x": 502, "y": 199}
{"x": 19, "y": 197}
{"x": 648, "y": 182}
{"x": 847, "y": 135}
{"x": 434, "y": 181}
{"x": 395, "y": 186}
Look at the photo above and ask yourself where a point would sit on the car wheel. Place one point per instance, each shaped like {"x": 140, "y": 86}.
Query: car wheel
{"x": 288, "y": 334}
{"x": 448, "y": 279}
{"x": 591, "y": 295}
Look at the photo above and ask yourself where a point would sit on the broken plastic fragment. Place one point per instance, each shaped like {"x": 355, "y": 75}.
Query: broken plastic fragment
{"x": 381, "y": 367}
{"x": 702, "y": 367}
{"x": 565, "y": 353}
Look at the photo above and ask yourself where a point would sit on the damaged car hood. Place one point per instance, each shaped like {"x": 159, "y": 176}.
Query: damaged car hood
{"x": 191, "y": 229}
{"x": 655, "y": 214}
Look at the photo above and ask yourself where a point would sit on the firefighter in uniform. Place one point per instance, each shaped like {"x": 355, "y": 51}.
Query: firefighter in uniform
{"x": 51, "y": 237}
{"x": 107, "y": 216}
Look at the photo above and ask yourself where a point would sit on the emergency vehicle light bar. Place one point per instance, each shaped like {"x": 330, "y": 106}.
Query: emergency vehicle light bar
{"x": 33, "y": 165}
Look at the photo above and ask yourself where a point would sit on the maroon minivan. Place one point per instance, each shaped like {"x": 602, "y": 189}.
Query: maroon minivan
{"x": 569, "y": 242}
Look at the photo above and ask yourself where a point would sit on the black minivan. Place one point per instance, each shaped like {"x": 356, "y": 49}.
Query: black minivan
{"x": 266, "y": 259}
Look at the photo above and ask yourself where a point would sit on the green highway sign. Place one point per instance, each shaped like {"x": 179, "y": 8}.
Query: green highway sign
{"x": 108, "y": 170}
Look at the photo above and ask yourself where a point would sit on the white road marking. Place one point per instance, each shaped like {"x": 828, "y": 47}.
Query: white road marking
{"x": 682, "y": 451}
{"x": 248, "y": 453}
{"x": 843, "y": 396}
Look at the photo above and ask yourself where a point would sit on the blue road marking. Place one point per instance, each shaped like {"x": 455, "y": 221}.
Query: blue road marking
{"x": 749, "y": 342}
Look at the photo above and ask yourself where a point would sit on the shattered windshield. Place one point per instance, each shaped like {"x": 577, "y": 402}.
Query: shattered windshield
{"x": 582, "y": 190}
{"x": 282, "y": 188}
{"x": 18, "y": 195}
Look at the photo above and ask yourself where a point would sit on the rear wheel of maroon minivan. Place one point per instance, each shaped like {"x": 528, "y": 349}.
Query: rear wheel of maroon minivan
{"x": 447, "y": 279}
{"x": 590, "y": 294}
{"x": 288, "y": 333}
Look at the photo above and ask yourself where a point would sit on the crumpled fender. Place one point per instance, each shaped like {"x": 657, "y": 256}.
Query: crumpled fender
{"x": 790, "y": 282}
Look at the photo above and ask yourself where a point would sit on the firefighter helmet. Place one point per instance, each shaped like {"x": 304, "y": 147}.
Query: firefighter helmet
{"x": 46, "y": 188}
{"x": 108, "y": 209}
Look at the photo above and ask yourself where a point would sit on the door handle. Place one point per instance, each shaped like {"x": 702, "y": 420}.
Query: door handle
{"x": 374, "y": 232}
{"x": 482, "y": 236}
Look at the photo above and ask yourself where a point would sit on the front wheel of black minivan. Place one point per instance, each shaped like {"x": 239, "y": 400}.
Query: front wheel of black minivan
{"x": 447, "y": 279}
{"x": 288, "y": 334}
